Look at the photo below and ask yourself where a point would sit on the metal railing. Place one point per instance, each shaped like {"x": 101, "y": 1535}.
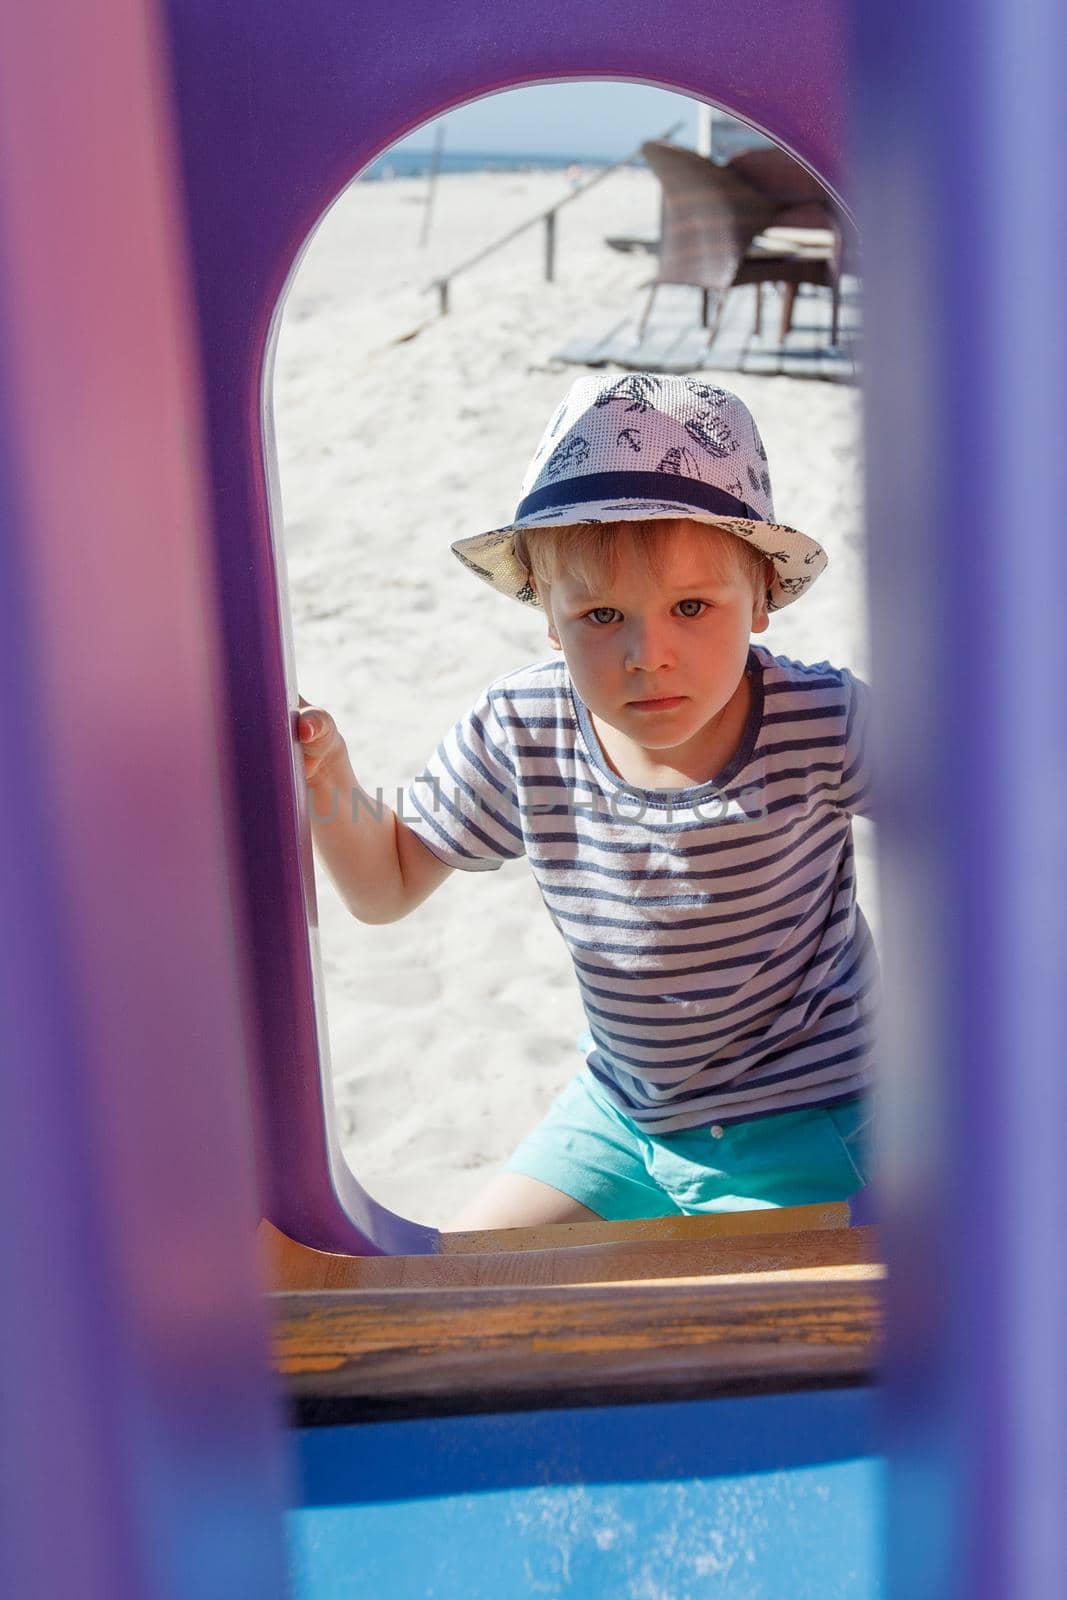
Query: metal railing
{"x": 442, "y": 283}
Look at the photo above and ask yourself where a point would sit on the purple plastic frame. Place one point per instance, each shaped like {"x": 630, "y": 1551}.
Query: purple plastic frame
{"x": 960, "y": 154}
{"x": 320, "y": 99}
{"x": 138, "y": 1456}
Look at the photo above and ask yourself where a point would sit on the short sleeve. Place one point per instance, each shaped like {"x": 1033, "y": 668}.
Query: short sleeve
{"x": 464, "y": 806}
{"x": 856, "y": 792}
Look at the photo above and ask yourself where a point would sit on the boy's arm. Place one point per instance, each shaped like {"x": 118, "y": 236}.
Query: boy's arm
{"x": 379, "y": 867}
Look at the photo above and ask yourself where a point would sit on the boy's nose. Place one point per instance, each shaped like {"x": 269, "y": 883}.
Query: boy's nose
{"x": 646, "y": 650}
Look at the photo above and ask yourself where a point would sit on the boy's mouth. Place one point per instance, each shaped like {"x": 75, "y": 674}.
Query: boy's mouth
{"x": 662, "y": 702}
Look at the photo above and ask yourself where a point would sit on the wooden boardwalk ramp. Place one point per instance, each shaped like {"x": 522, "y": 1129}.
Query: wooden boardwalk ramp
{"x": 674, "y": 340}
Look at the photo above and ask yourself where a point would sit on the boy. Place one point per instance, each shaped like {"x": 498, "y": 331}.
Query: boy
{"x": 685, "y": 802}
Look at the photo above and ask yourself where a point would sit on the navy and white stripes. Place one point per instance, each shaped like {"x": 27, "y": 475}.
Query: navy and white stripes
{"x": 725, "y": 968}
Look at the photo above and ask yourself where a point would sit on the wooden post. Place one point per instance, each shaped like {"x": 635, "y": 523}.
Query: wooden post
{"x": 431, "y": 190}
{"x": 550, "y": 247}
{"x": 706, "y": 131}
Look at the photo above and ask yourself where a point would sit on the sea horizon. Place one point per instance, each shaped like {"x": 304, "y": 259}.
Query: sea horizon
{"x": 409, "y": 163}
{"x": 417, "y": 163}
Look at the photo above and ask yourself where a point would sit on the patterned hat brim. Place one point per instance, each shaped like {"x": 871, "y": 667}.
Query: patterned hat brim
{"x": 797, "y": 559}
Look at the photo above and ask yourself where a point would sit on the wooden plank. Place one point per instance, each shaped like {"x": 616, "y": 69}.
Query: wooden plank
{"x": 736, "y": 331}
{"x": 772, "y": 1219}
{"x": 584, "y": 349}
{"x": 674, "y": 340}
{"x": 658, "y": 340}
{"x": 738, "y": 321}
{"x": 358, "y": 1355}
{"x": 806, "y": 350}
{"x": 293, "y": 1266}
{"x": 624, "y": 349}
{"x": 763, "y": 357}
{"x": 634, "y": 244}
{"x": 688, "y": 353}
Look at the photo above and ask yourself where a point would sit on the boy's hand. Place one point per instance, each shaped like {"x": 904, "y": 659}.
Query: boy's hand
{"x": 324, "y": 751}
{"x": 379, "y": 867}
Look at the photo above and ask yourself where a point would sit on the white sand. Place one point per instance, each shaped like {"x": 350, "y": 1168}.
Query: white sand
{"x": 451, "y": 1031}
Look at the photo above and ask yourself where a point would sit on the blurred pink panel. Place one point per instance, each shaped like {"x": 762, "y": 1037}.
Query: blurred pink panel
{"x": 125, "y": 760}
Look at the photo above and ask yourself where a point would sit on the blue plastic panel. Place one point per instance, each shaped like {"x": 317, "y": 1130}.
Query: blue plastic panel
{"x": 741, "y": 1499}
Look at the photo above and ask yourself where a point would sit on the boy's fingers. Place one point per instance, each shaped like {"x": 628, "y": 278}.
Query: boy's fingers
{"x": 312, "y": 724}
{"x": 317, "y": 733}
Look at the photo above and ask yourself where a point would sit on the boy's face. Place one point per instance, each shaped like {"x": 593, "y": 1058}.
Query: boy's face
{"x": 659, "y": 658}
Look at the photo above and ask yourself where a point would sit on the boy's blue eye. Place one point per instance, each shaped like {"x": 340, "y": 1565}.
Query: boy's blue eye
{"x": 699, "y": 604}
{"x": 602, "y": 615}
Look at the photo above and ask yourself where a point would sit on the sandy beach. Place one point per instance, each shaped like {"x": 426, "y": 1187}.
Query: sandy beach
{"x": 399, "y": 431}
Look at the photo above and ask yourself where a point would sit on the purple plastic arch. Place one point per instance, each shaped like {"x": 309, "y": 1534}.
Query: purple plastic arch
{"x": 132, "y": 1336}
{"x": 316, "y": 107}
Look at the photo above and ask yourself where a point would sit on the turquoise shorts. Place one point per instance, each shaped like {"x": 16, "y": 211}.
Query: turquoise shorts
{"x": 598, "y": 1156}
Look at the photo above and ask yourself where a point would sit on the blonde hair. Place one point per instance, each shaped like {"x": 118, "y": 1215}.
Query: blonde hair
{"x": 590, "y": 551}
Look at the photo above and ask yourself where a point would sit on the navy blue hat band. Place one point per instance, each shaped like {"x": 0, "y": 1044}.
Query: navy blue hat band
{"x": 596, "y": 488}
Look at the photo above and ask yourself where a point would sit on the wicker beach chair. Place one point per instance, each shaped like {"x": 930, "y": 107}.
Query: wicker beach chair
{"x": 711, "y": 218}
{"x": 801, "y": 202}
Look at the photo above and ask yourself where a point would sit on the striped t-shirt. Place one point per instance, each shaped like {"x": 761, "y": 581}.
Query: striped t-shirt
{"x": 725, "y": 968}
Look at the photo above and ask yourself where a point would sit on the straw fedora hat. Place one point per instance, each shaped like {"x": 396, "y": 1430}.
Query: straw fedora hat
{"x": 644, "y": 445}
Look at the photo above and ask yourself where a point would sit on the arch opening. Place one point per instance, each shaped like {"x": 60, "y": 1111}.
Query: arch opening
{"x": 418, "y": 423}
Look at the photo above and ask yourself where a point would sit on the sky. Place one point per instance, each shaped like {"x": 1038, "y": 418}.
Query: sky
{"x": 605, "y": 120}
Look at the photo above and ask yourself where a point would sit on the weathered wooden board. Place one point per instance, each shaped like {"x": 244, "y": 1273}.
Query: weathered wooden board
{"x": 675, "y": 341}
{"x": 801, "y": 1238}
{"x": 362, "y": 1354}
